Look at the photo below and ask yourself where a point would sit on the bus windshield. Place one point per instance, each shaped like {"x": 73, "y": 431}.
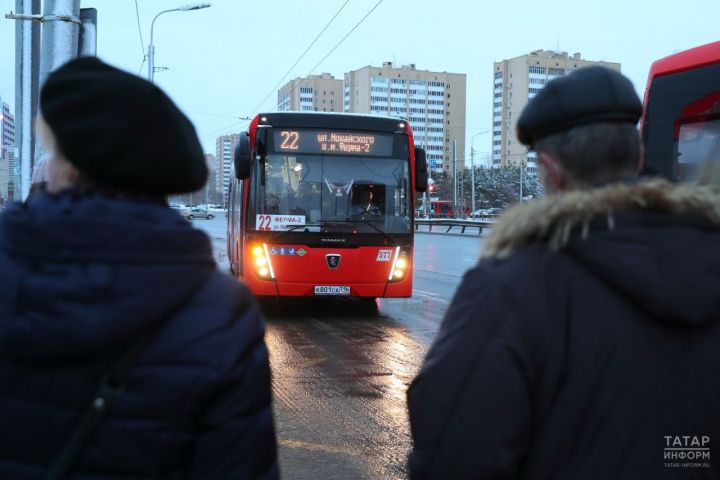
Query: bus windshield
{"x": 368, "y": 193}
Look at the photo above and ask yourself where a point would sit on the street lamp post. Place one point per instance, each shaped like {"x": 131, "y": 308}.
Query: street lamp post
{"x": 151, "y": 47}
{"x": 472, "y": 168}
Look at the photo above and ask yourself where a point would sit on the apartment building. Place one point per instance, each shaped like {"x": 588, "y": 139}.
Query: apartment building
{"x": 224, "y": 148}
{"x": 7, "y": 152}
{"x": 319, "y": 93}
{"x": 515, "y": 82}
{"x": 433, "y": 102}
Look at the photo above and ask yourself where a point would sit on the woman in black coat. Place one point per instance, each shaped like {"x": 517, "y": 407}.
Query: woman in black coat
{"x": 99, "y": 264}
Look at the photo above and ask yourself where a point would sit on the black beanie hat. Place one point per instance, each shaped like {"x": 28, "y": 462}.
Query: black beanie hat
{"x": 588, "y": 95}
{"x": 120, "y": 130}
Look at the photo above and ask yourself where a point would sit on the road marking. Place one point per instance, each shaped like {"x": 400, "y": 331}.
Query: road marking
{"x": 423, "y": 292}
{"x": 318, "y": 447}
{"x": 434, "y": 296}
{"x": 440, "y": 271}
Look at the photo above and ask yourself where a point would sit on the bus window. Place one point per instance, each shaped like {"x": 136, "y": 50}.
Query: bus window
{"x": 698, "y": 152}
{"x": 323, "y": 188}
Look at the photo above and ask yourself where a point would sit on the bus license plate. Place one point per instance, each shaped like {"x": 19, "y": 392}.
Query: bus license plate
{"x": 331, "y": 290}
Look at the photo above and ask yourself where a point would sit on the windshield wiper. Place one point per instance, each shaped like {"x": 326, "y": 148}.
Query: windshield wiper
{"x": 385, "y": 235}
{"x": 295, "y": 227}
{"x": 379, "y": 230}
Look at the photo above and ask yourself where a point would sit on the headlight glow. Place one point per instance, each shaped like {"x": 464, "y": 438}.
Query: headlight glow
{"x": 261, "y": 261}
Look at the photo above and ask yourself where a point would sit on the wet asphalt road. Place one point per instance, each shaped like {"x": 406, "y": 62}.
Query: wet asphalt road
{"x": 341, "y": 368}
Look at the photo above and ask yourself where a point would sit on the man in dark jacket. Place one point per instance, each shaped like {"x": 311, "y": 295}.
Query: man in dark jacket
{"x": 585, "y": 344}
{"x": 97, "y": 263}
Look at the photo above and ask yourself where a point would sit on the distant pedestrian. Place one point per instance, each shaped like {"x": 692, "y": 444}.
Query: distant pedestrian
{"x": 124, "y": 352}
{"x": 586, "y": 342}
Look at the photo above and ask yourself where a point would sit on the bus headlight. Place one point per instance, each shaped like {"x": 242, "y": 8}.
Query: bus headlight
{"x": 261, "y": 261}
{"x": 401, "y": 262}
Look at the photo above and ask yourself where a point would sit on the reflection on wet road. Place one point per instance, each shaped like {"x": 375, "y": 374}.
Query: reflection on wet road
{"x": 341, "y": 367}
{"x": 340, "y": 374}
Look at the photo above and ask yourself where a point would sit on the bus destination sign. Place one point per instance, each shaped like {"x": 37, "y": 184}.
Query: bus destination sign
{"x": 332, "y": 142}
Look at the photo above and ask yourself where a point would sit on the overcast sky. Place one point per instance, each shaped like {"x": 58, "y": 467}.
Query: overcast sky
{"x": 225, "y": 59}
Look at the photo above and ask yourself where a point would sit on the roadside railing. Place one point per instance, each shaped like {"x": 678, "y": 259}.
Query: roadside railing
{"x": 449, "y": 223}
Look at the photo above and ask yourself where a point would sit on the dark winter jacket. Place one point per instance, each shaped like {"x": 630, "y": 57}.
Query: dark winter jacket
{"x": 582, "y": 346}
{"x": 82, "y": 276}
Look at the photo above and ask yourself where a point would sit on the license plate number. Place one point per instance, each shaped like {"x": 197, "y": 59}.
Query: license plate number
{"x": 331, "y": 290}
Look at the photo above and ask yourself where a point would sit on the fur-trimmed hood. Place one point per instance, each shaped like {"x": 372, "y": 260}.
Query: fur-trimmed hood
{"x": 656, "y": 242}
{"x": 550, "y": 221}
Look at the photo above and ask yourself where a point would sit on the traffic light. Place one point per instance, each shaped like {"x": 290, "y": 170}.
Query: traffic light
{"x": 431, "y": 188}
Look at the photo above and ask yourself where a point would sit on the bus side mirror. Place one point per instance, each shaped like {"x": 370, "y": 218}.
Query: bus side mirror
{"x": 242, "y": 158}
{"x": 421, "y": 171}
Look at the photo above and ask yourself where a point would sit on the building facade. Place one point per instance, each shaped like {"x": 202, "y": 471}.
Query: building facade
{"x": 212, "y": 194}
{"x": 515, "y": 82}
{"x": 224, "y": 148}
{"x": 7, "y": 152}
{"x": 318, "y": 93}
{"x": 433, "y": 103}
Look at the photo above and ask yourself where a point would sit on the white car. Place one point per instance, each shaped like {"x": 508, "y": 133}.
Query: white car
{"x": 194, "y": 213}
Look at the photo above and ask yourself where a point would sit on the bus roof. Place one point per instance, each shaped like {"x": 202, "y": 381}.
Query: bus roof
{"x": 692, "y": 58}
{"x": 701, "y": 56}
{"x": 349, "y": 121}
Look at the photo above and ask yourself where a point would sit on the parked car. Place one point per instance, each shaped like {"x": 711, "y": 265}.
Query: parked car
{"x": 493, "y": 212}
{"x": 197, "y": 213}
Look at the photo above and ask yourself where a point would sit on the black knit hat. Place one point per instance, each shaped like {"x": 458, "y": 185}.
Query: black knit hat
{"x": 120, "y": 130}
{"x": 588, "y": 95}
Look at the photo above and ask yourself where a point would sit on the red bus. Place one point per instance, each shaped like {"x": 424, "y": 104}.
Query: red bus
{"x": 322, "y": 204}
{"x": 681, "y": 122}
{"x": 442, "y": 209}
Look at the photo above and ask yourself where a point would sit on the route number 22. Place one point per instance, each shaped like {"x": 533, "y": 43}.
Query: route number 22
{"x": 264, "y": 222}
{"x": 289, "y": 140}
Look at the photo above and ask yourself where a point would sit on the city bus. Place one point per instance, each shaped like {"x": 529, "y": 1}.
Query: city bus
{"x": 322, "y": 205}
{"x": 441, "y": 209}
{"x": 680, "y": 127}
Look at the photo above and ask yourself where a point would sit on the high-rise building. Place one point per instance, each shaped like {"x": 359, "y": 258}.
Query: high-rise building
{"x": 211, "y": 190}
{"x": 433, "y": 102}
{"x": 515, "y": 82}
{"x": 224, "y": 148}
{"x": 319, "y": 93}
{"x": 7, "y": 151}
